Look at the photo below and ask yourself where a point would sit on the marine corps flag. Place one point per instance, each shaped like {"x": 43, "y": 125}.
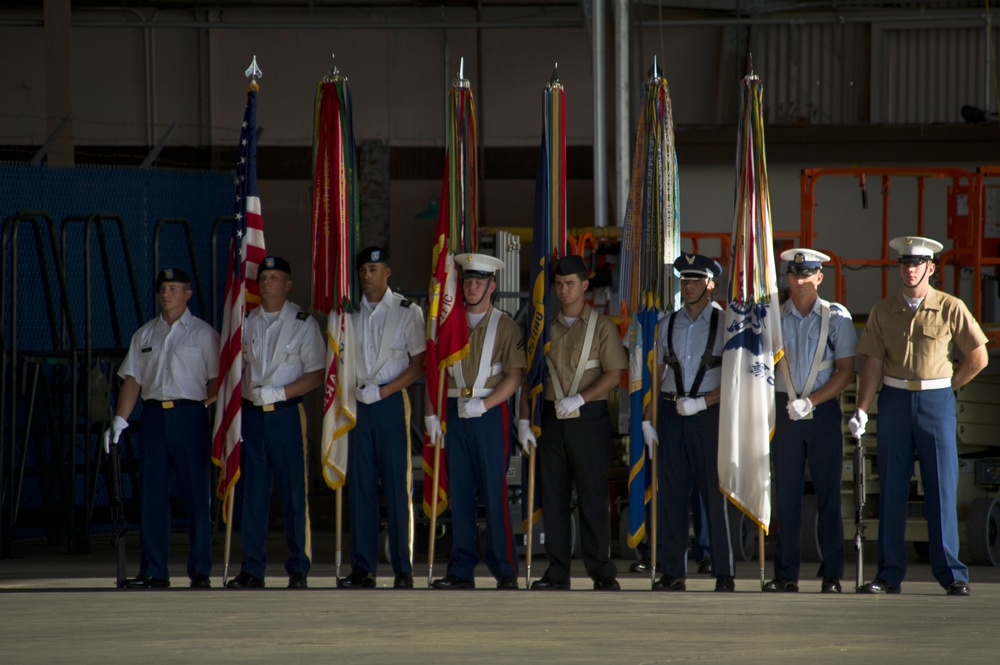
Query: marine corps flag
{"x": 753, "y": 342}
{"x": 335, "y": 238}
{"x": 447, "y": 328}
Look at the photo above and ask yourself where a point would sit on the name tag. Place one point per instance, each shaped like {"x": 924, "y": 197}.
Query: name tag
{"x": 147, "y": 349}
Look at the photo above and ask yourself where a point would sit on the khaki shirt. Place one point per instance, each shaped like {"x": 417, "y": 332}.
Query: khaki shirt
{"x": 566, "y": 345}
{"x": 918, "y": 345}
{"x": 508, "y": 350}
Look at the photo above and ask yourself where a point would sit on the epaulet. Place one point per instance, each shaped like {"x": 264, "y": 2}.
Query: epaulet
{"x": 302, "y": 316}
{"x": 840, "y": 308}
{"x": 404, "y": 302}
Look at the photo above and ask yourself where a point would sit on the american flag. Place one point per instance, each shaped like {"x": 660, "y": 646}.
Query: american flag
{"x": 242, "y": 295}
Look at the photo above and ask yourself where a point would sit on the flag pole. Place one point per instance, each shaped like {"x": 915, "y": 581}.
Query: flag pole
{"x": 437, "y": 466}
{"x": 652, "y": 461}
{"x": 760, "y": 553}
{"x": 339, "y": 526}
{"x": 531, "y": 516}
{"x": 229, "y": 535}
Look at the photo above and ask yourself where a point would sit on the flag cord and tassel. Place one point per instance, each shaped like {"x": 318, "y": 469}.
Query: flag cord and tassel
{"x": 431, "y": 536}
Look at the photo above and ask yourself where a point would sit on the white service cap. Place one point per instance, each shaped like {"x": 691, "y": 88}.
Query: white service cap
{"x": 915, "y": 246}
{"x": 478, "y": 263}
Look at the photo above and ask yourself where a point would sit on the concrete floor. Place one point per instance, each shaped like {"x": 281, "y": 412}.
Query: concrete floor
{"x": 60, "y": 608}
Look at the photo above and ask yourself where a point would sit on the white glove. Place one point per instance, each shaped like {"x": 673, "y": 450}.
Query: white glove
{"x": 688, "y": 406}
{"x": 433, "y": 426}
{"x": 857, "y": 423}
{"x": 268, "y": 395}
{"x": 800, "y": 408}
{"x": 368, "y": 393}
{"x": 473, "y": 407}
{"x": 113, "y": 433}
{"x": 568, "y": 405}
{"x": 526, "y": 436}
{"x": 649, "y": 436}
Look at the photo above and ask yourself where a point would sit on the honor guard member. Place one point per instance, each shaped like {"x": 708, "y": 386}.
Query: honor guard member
{"x": 391, "y": 346}
{"x": 173, "y": 363}
{"x": 585, "y": 361}
{"x": 284, "y": 358}
{"x": 690, "y": 344}
{"x": 908, "y": 342}
{"x": 819, "y": 341}
{"x": 477, "y": 453}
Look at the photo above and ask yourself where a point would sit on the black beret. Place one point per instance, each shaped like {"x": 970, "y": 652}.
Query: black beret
{"x": 274, "y": 263}
{"x": 572, "y": 265}
{"x": 372, "y": 255}
{"x": 172, "y": 275}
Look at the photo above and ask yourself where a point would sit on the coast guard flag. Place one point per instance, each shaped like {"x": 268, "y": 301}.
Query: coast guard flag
{"x": 753, "y": 343}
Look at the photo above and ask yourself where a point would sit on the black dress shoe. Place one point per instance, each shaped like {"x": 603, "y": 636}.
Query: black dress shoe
{"x": 725, "y": 583}
{"x": 705, "y": 567}
{"x": 668, "y": 583}
{"x": 781, "y": 585}
{"x": 403, "y": 581}
{"x": 958, "y": 588}
{"x": 297, "y": 581}
{"x": 607, "y": 584}
{"x": 245, "y": 581}
{"x": 452, "y": 582}
{"x": 146, "y": 582}
{"x": 549, "y": 584}
{"x": 640, "y": 566}
{"x": 507, "y": 583}
{"x": 830, "y": 585}
{"x": 879, "y": 586}
{"x": 358, "y": 579}
{"x": 201, "y": 582}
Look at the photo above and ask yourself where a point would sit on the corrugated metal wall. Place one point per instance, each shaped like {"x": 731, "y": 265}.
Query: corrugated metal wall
{"x": 926, "y": 74}
{"x": 813, "y": 74}
{"x": 859, "y": 73}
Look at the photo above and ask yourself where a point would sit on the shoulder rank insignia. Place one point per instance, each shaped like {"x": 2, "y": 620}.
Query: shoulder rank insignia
{"x": 405, "y": 303}
{"x": 302, "y": 316}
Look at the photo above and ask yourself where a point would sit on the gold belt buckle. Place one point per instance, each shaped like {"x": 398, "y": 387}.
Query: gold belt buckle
{"x": 167, "y": 405}
{"x": 267, "y": 408}
{"x": 465, "y": 392}
{"x": 913, "y": 384}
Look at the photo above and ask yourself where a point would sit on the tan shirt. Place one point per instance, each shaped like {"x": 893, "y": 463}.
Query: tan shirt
{"x": 508, "y": 350}
{"x": 918, "y": 345}
{"x": 566, "y": 345}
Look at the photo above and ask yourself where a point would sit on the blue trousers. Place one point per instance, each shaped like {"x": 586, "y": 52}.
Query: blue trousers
{"x": 689, "y": 458}
{"x": 477, "y": 452}
{"x": 175, "y": 442}
{"x": 380, "y": 455}
{"x": 819, "y": 442}
{"x": 920, "y": 423}
{"x": 274, "y": 452}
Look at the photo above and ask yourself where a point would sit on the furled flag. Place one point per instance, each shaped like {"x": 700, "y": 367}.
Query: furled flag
{"x": 548, "y": 245}
{"x": 242, "y": 295}
{"x": 650, "y": 240}
{"x": 447, "y": 328}
{"x": 753, "y": 325}
{"x": 335, "y": 237}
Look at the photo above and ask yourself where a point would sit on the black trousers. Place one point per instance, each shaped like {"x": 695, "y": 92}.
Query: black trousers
{"x": 576, "y": 452}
